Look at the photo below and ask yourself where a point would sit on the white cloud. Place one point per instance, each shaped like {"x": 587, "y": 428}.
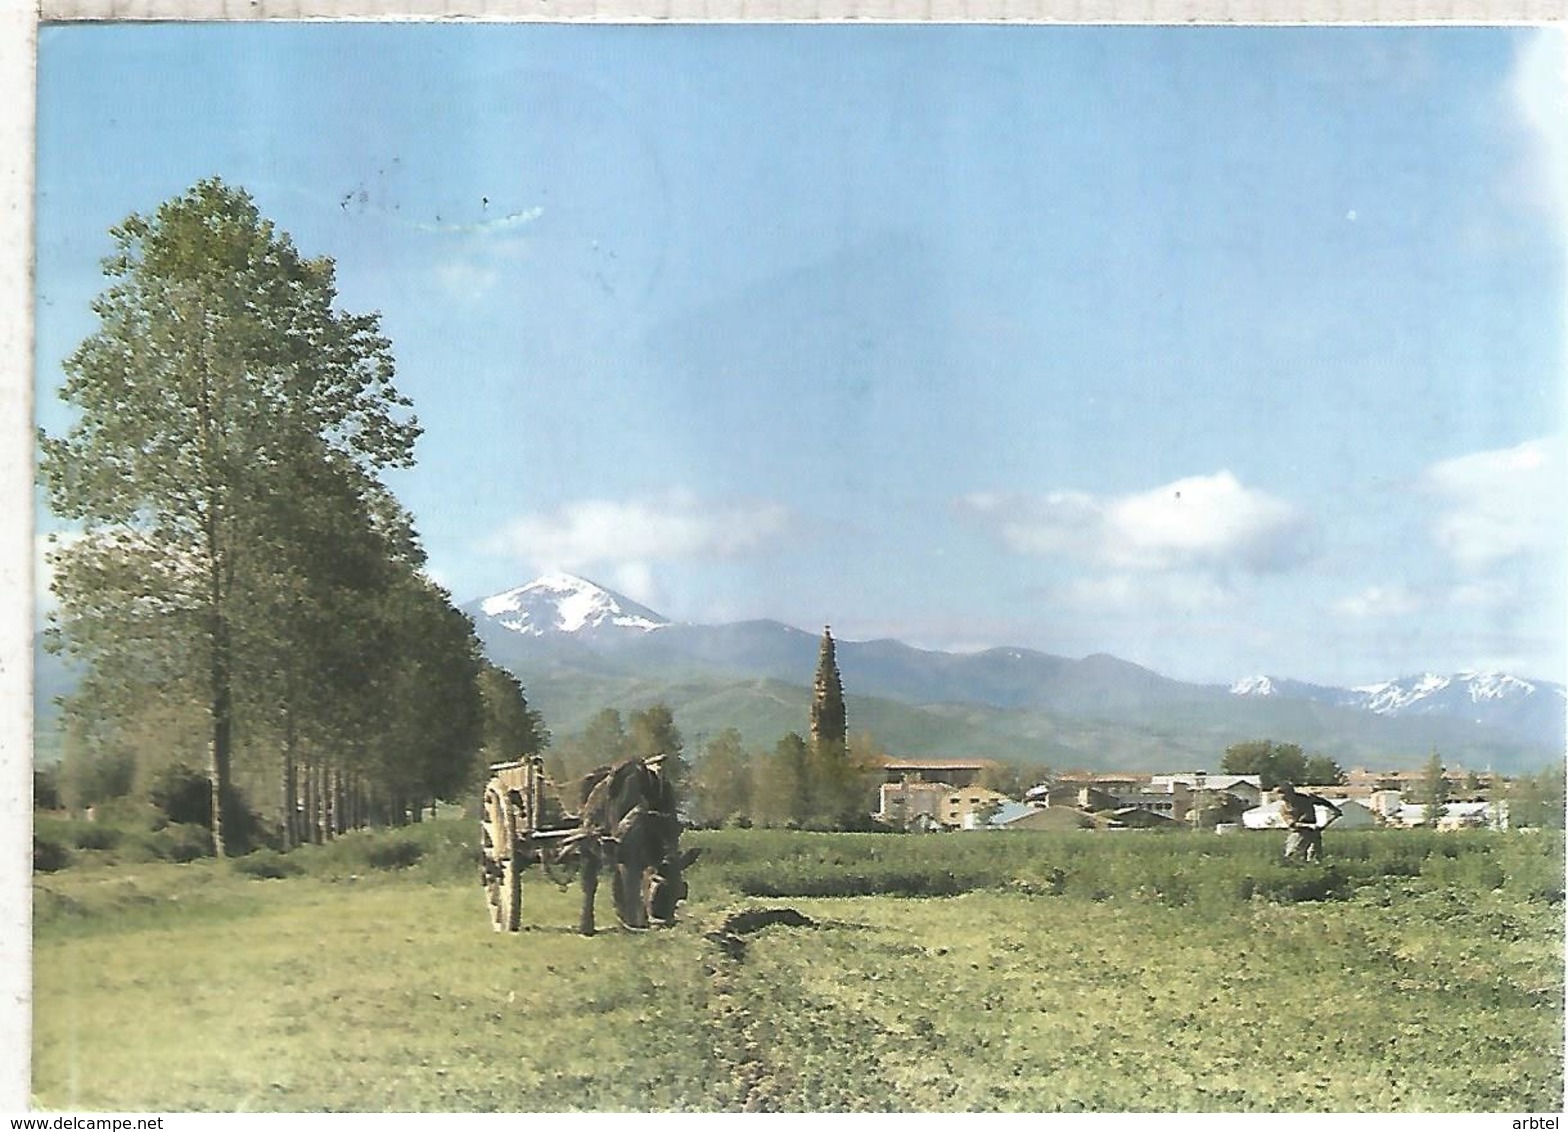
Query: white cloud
{"x": 629, "y": 535}
{"x": 1379, "y": 602}
{"x": 1499, "y": 505}
{"x": 1207, "y": 524}
{"x": 496, "y": 225}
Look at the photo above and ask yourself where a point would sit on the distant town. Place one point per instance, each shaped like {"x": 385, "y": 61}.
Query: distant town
{"x": 933, "y": 795}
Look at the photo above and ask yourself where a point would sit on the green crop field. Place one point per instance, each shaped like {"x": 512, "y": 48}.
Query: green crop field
{"x": 969, "y": 972}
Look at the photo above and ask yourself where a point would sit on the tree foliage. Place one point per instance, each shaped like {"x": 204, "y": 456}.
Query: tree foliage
{"x": 236, "y": 558}
{"x": 721, "y": 782}
{"x": 1320, "y": 770}
{"x": 783, "y": 794}
{"x": 1433, "y": 790}
{"x": 512, "y": 729}
{"x": 829, "y": 720}
{"x": 1014, "y": 779}
{"x": 602, "y": 742}
{"x": 652, "y": 734}
{"x": 1275, "y": 763}
{"x": 1537, "y": 800}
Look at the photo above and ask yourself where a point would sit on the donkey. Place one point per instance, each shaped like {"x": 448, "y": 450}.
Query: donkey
{"x": 628, "y": 821}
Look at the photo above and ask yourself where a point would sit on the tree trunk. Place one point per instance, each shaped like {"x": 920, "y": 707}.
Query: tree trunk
{"x": 313, "y": 802}
{"x": 222, "y": 733}
{"x": 340, "y": 824}
{"x": 286, "y": 800}
{"x": 324, "y": 802}
{"x": 290, "y": 786}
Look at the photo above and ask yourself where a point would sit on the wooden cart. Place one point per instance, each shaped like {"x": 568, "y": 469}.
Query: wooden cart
{"x": 523, "y": 823}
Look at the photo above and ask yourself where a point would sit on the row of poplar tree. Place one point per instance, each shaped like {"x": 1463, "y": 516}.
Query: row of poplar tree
{"x": 238, "y": 587}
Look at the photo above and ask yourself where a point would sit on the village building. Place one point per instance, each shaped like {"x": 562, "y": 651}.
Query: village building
{"x": 1454, "y": 815}
{"x": 945, "y": 793}
{"x": 1074, "y": 796}
{"x": 953, "y": 772}
{"x": 908, "y": 805}
{"x": 1246, "y": 787}
{"x": 1039, "y": 818}
{"x": 913, "y": 804}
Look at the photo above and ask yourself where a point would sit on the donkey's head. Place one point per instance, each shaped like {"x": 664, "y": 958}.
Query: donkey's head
{"x": 664, "y": 886}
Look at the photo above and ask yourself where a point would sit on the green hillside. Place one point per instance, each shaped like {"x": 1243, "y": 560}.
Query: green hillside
{"x": 1177, "y": 736}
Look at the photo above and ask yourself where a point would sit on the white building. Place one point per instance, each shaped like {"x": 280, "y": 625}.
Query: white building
{"x": 1247, "y": 787}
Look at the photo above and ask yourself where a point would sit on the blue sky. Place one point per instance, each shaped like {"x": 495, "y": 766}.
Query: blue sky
{"x": 1222, "y": 350}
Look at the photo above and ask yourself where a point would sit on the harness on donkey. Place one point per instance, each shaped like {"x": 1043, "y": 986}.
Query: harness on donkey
{"x": 627, "y": 822}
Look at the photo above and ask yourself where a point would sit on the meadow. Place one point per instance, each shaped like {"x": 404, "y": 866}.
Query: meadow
{"x": 972, "y": 972}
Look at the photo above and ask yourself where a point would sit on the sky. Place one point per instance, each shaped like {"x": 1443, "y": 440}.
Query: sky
{"x": 1222, "y": 350}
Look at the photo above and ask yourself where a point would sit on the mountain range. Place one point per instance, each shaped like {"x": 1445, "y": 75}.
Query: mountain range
{"x": 578, "y": 647}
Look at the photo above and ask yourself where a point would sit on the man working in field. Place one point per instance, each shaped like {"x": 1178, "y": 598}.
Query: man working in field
{"x": 1300, "y": 814}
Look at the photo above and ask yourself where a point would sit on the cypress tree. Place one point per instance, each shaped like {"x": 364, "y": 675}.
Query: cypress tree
{"x": 829, "y": 724}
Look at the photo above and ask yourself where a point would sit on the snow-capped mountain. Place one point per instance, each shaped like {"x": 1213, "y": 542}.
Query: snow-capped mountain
{"x": 1465, "y": 692}
{"x": 1284, "y": 688}
{"x": 566, "y": 633}
{"x": 564, "y": 603}
{"x": 1490, "y": 698}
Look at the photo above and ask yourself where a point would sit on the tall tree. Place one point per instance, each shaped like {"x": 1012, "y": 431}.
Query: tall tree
{"x": 431, "y": 740}
{"x": 1432, "y": 791}
{"x": 221, "y": 376}
{"x": 512, "y": 729}
{"x": 829, "y": 721}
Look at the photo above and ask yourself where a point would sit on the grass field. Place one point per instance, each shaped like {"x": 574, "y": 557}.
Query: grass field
{"x": 980, "y": 972}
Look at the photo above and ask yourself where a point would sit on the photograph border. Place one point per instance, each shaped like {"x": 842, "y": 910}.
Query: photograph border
{"x": 19, "y": 25}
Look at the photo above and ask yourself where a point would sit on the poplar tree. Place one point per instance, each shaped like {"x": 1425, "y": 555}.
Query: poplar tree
{"x": 222, "y": 399}
{"x": 512, "y": 729}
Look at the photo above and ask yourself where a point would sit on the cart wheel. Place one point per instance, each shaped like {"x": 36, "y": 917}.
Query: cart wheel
{"x": 497, "y": 871}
